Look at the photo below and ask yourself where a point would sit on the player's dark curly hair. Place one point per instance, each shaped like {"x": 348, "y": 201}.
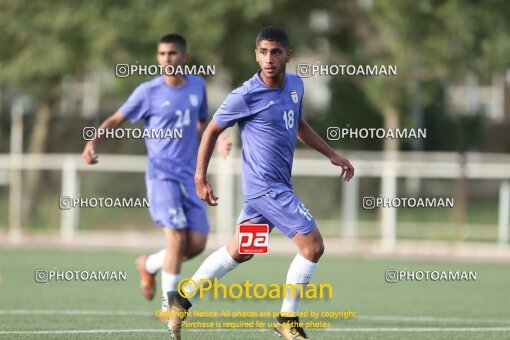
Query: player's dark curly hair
{"x": 174, "y": 39}
{"x": 273, "y": 33}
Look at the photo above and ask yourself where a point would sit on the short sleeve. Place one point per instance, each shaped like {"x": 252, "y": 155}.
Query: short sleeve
{"x": 203, "y": 113}
{"x": 233, "y": 109}
{"x": 301, "y": 104}
{"x": 137, "y": 105}
{"x": 301, "y": 99}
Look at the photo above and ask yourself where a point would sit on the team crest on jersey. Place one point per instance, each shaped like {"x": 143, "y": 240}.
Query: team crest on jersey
{"x": 294, "y": 96}
{"x": 193, "y": 99}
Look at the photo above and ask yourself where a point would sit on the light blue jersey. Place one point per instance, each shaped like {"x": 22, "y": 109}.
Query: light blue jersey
{"x": 172, "y": 161}
{"x": 177, "y": 109}
{"x": 268, "y": 119}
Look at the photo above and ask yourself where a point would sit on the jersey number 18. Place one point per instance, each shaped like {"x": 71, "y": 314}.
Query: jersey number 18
{"x": 288, "y": 117}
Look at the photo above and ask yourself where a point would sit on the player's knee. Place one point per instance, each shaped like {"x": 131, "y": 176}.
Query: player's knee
{"x": 193, "y": 251}
{"x": 321, "y": 250}
{"x": 175, "y": 233}
{"x": 175, "y": 238}
{"x": 199, "y": 249}
{"x": 313, "y": 252}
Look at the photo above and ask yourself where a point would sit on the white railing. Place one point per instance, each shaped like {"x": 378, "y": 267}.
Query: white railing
{"x": 367, "y": 164}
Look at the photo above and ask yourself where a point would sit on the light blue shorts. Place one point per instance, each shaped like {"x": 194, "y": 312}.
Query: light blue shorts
{"x": 282, "y": 210}
{"x": 175, "y": 205}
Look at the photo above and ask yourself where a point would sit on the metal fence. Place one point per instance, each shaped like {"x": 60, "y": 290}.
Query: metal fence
{"x": 388, "y": 168}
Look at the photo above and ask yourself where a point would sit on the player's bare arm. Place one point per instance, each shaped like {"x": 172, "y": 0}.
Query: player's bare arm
{"x": 223, "y": 143}
{"x": 308, "y": 136}
{"x": 112, "y": 122}
{"x": 201, "y": 125}
{"x": 209, "y": 138}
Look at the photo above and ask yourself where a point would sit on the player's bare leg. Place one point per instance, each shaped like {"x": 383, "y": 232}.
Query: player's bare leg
{"x": 170, "y": 273}
{"x": 190, "y": 244}
{"x": 195, "y": 244}
{"x": 311, "y": 245}
{"x": 149, "y": 266}
{"x": 216, "y": 265}
{"x": 176, "y": 242}
{"x": 311, "y": 248}
{"x": 233, "y": 248}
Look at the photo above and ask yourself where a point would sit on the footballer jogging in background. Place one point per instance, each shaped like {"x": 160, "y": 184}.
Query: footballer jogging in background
{"x": 169, "y": 102}
{"x": 268, "y": 110}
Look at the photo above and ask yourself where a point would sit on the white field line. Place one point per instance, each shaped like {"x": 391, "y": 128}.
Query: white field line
{"x": 429, "y": 319}
{"x": 160, "y": 330}
{"x": 74, "y": 312}
{"x": 145, "y": 313}
{"x": 206, "y": 330}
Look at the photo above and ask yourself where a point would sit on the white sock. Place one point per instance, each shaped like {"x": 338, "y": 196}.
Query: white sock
{"x": 215, "y": 266}
{"x": 300, "y": 271}
{"x": 155, "y": 261}
{"x": 169, "y": 281}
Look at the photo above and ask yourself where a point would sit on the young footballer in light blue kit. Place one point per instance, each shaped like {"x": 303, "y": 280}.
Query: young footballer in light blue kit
{"x": 177, "y": 103}
{"x": 268, "y": 110}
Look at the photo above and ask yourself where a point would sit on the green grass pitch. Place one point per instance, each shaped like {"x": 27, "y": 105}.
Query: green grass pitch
{"x": 116, "y": 310}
